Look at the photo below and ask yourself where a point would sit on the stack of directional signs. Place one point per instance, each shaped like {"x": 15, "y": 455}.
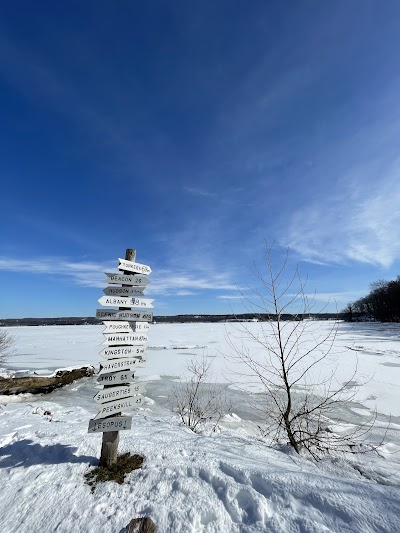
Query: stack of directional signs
{"x": 125, "y": 337}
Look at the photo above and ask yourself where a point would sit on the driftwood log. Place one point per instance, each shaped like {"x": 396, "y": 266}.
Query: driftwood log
{"x": 43, "y": 384}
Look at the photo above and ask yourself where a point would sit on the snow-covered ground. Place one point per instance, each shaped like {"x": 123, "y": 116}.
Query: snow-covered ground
{"x": 225, "y": 482}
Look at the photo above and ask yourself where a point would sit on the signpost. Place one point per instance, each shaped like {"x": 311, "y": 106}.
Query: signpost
{"x": 114, "y": 393}
{"x": 123, "y": 291}
{"x": 114, "y": 365}
{"x": 112, "y": 352}
{"x": 116, "y": 378}
{"x": 101, "y": 314}
{"x": 133, "y": 339}
{"x": 131, "y": 266}
{"x": 116, "y": 406}
{"x": 110, "y": 424}
{"x": 125, "y": 327}
{"x": 127, "y": 279}
{"x": 124, "y": 340}
{"x": 127, "y": 302}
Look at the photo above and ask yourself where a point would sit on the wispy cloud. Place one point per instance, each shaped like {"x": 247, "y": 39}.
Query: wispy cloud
{"x": 230, "y": 296}
{"x": 171, "y": 282}
{"x": 332, "y": 297}
{"x": 91, "y": 274}
{"x": 359, "y": 221}
{"x": 87, "y": 274}
{"x": 196, "y": 191}
{"x": 184, "y": 293}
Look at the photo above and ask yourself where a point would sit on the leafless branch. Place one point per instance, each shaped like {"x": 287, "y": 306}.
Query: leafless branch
{"x": 198, "y": 401}
{"x": 284, "y": 356}
{"x": 6, "y": 345}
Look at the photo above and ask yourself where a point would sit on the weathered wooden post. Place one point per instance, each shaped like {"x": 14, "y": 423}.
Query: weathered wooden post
{"x": 124, "y": 353}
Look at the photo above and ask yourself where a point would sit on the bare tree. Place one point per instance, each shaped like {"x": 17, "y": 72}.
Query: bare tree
{"x": 6, "y": 345}
{"x": 197, "y": 400}
{"x": 293, "y": 360}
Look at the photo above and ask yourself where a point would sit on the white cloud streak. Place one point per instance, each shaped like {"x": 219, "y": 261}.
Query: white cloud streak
{"x": 358, "y": 223}
{"x": 196, "y": 191}
{"x": 87, "y": 274}
{"x": 90, "y": 274}
{"x": 231, "y": 296}
{"x": 178, "y": 282}
{"x": 332, "y": 297}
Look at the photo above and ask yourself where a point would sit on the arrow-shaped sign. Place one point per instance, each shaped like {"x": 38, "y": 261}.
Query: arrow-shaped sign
{"x": 115, "y": 393}
{"x": 116, "y": 378}
{"x": 125, "y": 327}
{"x": 125, "y": 279}
{"x": 123, "y": 291}
{"x": 102, "y": 314}
{"x": 115, "y": 352}
{"x": 125, "y": 302}
{"x": 117, "y": 406}
{"x": 116, "y": 423}
{"x": 132, "y": 339}
{"x": 130, "y": 266}
{"x": 113, "y": 365}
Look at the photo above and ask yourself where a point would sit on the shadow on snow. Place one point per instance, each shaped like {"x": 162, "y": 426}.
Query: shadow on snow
{"x": 27, "y": 453}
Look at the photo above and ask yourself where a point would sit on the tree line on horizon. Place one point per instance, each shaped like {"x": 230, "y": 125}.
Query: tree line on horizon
{"x": 382, "y": 303}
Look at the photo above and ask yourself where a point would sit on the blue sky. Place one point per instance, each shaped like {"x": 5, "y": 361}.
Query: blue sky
{"x": 193, "y": 131}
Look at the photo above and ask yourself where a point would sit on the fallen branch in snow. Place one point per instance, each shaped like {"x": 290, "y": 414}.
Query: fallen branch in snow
{"x": 43, "y": 384}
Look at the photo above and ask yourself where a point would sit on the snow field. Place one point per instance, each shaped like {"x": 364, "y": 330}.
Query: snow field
{"x": 223, "y": 482}
{"x": 189, "y": 482}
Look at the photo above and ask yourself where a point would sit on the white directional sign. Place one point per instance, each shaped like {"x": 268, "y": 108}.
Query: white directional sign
{"x": 115, "y": 352}
{"x": 129, "y": 363}
{"x": 126, "y": 279}
{"x": 131, "y": 339}
{"x": 125, "y": 302}
{"x": 116, "y": 378}
{"x": 127, "y": 404}
{"x": 125, "y": 327}
{"x": 123, "y": 291}
{"x": 130, "y": 266}
{"x": 117, "y": 423}
{"x": 115, "y": 393}
{"x": 113, "y": 314}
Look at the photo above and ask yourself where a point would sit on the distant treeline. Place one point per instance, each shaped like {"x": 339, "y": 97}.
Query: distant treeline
{"x": 381, "y": 304}
{"x": 86, "y": 321}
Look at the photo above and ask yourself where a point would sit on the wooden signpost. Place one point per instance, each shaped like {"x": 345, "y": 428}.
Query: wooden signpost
{"x": 114, "y": 424}
{"x": 110, "y": 408}
{"x": 114, "y": 393}
{"x": 114, "y": 365}
{"x": 132, "y": 279}
{"x": 131, "y": 266}
{"x": 121, "y": 351}
{"x": 132, "y": 339}
{"x": 116, "y": 378}
{"x": 123, "y": 291}
{"x": 125, "y": 301}
{"x": 125, "y": 335}
{"x": 124, "y": 314}
{"x": 125, "y": 327}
